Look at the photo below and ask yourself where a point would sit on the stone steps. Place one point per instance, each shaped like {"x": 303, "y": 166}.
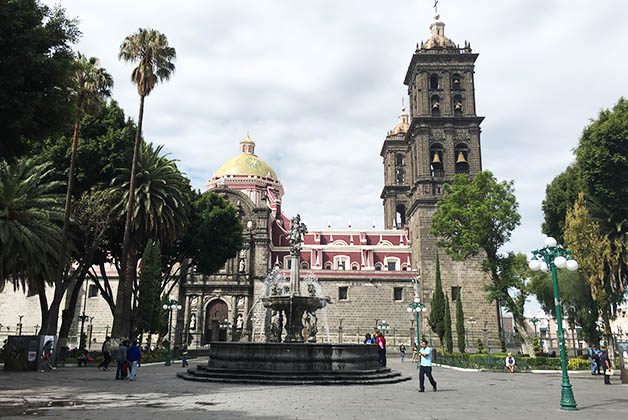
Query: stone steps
{"x": 368, "y": 377}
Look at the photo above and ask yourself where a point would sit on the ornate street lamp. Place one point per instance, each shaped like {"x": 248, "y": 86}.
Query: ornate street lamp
{"x": 417, "y": 307}
{"x": 534, "y": 321}
{"x": 170, "y": 306}
{"x": 383, "y": 326}
{"x": 549, "y": 258}
{"x": 472, "y": 321}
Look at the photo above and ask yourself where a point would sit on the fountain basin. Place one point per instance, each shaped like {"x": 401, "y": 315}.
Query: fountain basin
{"x": 294, "y": 307}
{"x": 293, "y": 364}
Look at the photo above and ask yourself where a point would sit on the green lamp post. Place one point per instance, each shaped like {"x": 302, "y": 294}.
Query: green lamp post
{"x": 417, "y": 307}
{"x": 534, "y": 321}
{"x": 550, "y": 258}
{"x": 170, "y": 306}
{"x": 383, "y": 326}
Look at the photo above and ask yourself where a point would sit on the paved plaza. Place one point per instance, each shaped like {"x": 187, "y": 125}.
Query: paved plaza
{"x": 87, "y": 393}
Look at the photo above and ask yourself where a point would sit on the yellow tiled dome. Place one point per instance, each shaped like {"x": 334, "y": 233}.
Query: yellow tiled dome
{"x": 246, "y": 163}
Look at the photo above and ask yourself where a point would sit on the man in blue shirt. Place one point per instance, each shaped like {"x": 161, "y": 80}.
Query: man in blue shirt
{"x": 426, "y": 366}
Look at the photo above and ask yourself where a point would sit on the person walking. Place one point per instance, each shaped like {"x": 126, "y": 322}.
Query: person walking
{"x": 592, "y": 360}
{"x": 381, "y": 348}
{"x": 135, "y": 356}
{"x": 597, "y": 356}
{"x": 402, "y": 351}
{"x": 415, "y": 353}
{"x": 122, "y": 360}
{"x": 606, "y": 365}
{"x": 425, "y": 367}
{"x": 184, "y": 355}
{"x": 106, "y": 352}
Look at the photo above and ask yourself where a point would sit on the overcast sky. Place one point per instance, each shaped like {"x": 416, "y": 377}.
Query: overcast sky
{"x": 318, "y": 84}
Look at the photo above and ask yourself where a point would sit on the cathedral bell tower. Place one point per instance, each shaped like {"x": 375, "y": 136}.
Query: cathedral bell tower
{"x": 441, "y": 141}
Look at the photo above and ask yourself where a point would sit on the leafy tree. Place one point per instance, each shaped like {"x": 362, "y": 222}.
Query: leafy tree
{"x": 560, "y": 195}
{"x": 36, "y": 73}
{"x": 449, "y": 340}
{"x": 481, "y": 346}
{"x": 436, "y": 319}
{"x": 460, "y": 324}
{"x": 150, "y": 49}
{"x": 602, "y": 156}
{"x": 596, "y": 260}
{"x": 162, "y": 206}
{"x": 31, "y": 213}
{"x": 149, "y": 297}
{"x": 576, "y": 299}
{"x": 215, "y": 234}
{"x": 477, "y": 215}
{"x": 537, "y": 347}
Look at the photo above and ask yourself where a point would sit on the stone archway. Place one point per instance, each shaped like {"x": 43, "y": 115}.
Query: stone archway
{"x": 216, "y": 312}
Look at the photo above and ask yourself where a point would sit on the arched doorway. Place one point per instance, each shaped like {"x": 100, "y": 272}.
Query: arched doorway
{"x": 216, "y": 312}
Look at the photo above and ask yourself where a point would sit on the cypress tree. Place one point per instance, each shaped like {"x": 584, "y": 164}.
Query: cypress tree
{"x": 460, "y": 331}
{"x": 449, "y": 340}
{"x": 436, "y": 319}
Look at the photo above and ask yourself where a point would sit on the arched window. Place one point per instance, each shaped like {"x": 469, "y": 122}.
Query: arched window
{"x": 399, "y": 159}
{"x": 400, "y": 216}
{"x": 436, "y": 160}
{"x": 434, "y": 81}
{"x": 461, "y": 158}
{"x": 355, "y": 266}
{"x": 457, "y": 105}
{"x": 378, "y": 266}
{"x": 456, "y": 81}
{"x": 435, "y": 104}
{"x": 305, "y": 265}
{"x": 328, "y": 265}
{"x": 400, "y": 175}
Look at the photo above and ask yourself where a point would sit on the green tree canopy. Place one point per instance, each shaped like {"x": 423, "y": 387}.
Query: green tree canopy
{"x": 602, "y": 156}
{"x": 36, "y": 73}
{"x": 477, "y": 214}
{"x": 215, "y": 234}
{"x": 560, "y": 195}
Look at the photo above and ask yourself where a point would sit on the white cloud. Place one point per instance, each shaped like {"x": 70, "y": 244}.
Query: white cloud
{"x": 318, "y": 84}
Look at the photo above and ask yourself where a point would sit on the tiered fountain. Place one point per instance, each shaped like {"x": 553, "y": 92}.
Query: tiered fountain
{"x": 294, "y": 358}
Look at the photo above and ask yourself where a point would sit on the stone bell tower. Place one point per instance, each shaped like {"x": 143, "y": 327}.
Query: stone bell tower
{"x": 442, "y": 140}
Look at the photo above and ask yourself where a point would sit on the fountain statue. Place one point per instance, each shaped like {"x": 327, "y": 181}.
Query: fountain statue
{"x": 293, "y": 305}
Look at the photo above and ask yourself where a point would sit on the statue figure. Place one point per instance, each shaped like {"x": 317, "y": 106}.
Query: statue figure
{"x": 242, "y": 266}
{"x": 297, "y": 230}
{"x": 192, "y": 322}
{"x": 274, "y": 291}
{"x": 276, "y": 327}
{"x": 310, "y": 327}
{"x": 239, "y": 322}
{"x": 311, "y": 290}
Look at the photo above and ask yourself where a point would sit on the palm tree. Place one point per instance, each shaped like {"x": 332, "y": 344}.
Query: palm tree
{"x": 92, "y": 84}
{"x": 150, "y": 49}
{"x": 161, "y": 204}
{"x": 31, "y": 216}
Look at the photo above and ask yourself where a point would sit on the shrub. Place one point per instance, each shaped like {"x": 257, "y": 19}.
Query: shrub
{"x": 480, "y": 346}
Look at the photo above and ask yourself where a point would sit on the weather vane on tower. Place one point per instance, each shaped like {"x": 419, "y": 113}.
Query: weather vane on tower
{"x": 436, "y": 6}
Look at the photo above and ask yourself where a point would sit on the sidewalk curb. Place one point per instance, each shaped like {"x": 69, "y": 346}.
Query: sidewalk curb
{"x": 535, "y": 371}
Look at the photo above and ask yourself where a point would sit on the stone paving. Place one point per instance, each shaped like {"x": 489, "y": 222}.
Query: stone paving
{"x": 86, "y": 393}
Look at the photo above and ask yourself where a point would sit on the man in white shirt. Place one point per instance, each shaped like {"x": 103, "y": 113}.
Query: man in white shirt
{"x": 425, "y": 366}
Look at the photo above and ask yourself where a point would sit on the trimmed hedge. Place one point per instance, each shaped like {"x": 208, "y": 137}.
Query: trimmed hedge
{"x": 497, "y": 362}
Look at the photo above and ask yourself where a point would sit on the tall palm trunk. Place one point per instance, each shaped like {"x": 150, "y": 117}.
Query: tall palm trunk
{"x": 122, "y": 317}
{"x": 60, "y": 286}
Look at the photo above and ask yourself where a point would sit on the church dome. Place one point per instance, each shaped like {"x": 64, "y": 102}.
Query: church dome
{"x": 246, "y": 163}
{"x": 438, "y": 38}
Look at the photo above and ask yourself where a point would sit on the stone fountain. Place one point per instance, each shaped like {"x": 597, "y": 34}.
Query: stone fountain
{"x": 296, "y": 309}
{"x": 296, "y": 358}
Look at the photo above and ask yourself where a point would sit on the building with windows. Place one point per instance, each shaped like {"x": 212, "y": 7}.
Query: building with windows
{"x": 368, "y": 274}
